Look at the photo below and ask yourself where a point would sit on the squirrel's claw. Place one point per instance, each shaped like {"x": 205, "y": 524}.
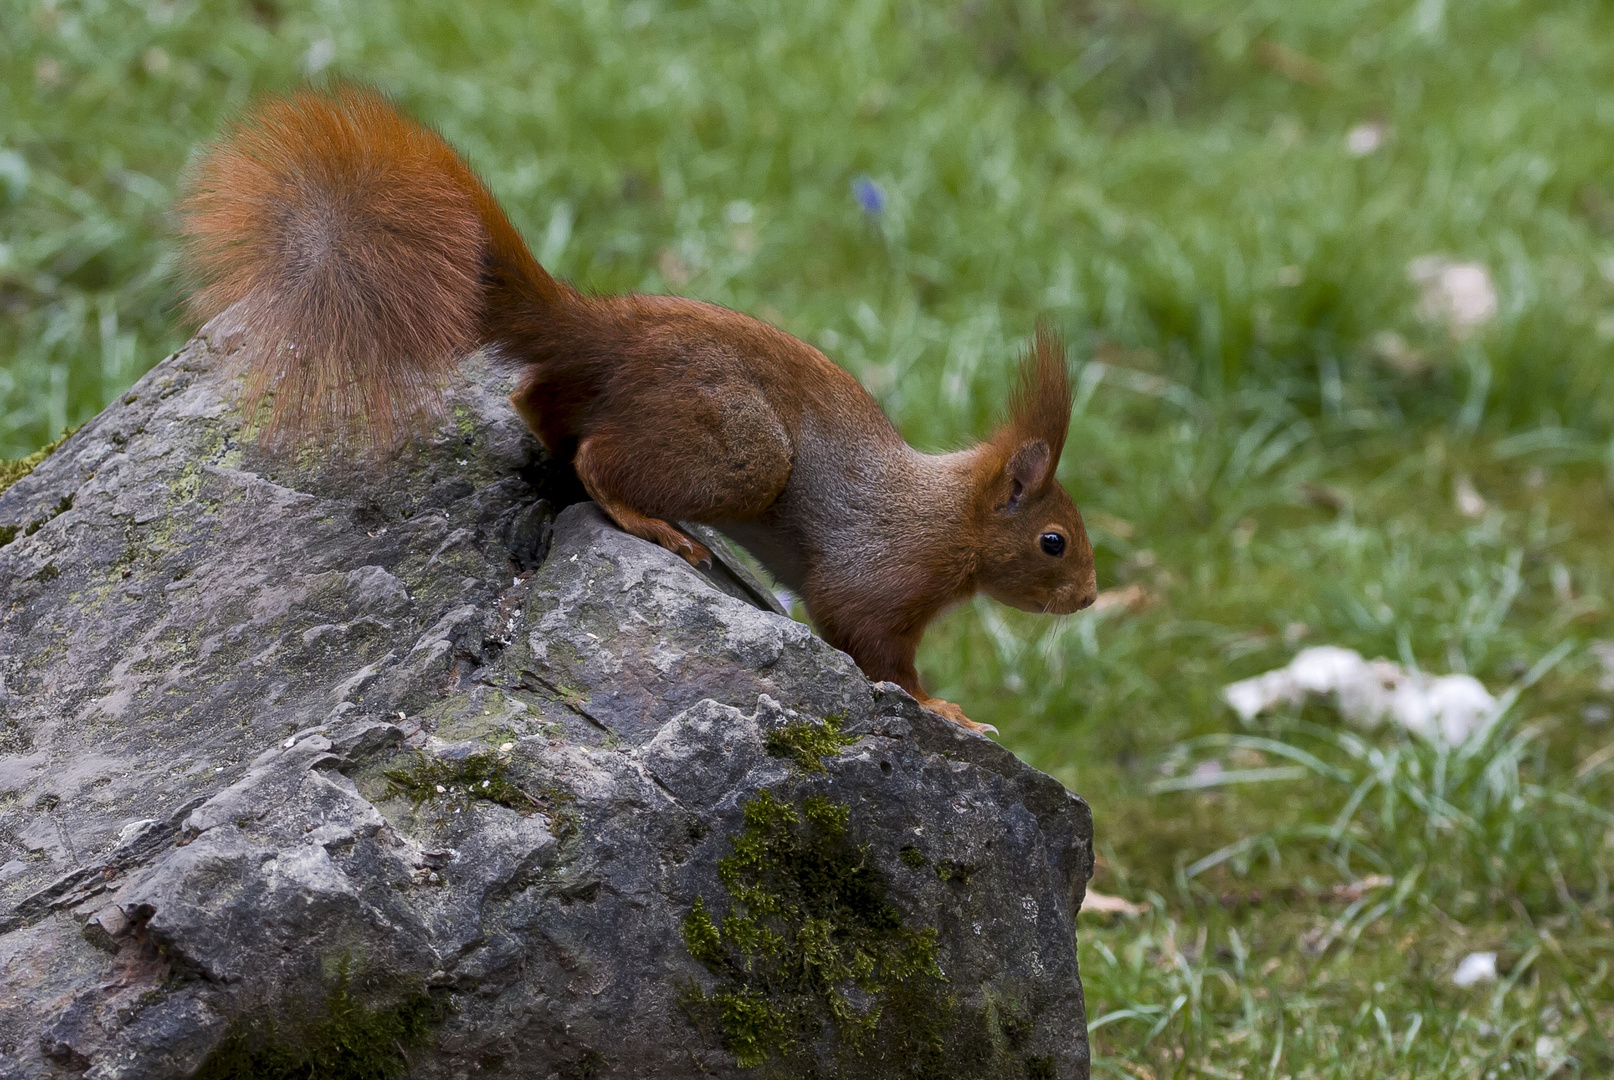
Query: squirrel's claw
{"x": 694, "y": 552}
{"x": 952, "y": 712}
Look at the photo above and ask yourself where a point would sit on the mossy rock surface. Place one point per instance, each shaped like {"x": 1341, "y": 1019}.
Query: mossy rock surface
{"x": 231, "y": 687}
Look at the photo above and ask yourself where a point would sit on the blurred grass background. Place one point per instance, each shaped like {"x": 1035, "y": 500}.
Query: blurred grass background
{"x": 1217, "y": 201}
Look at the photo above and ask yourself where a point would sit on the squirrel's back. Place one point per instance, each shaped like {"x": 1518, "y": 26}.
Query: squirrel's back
{"x": 365, "y": 257}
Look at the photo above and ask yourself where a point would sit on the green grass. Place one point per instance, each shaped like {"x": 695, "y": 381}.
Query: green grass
{"x": 1168, "y": 182}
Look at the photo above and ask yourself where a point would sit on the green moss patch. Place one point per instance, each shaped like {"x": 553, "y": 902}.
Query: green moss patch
{"x": 344, "y": 1039}
{"x": 819, "y": 974}
{"x": 809, "y": 743}
{"x": 12, "y": 471}
{"x": 810, "y": 943}
{"x": 462, "y": 781}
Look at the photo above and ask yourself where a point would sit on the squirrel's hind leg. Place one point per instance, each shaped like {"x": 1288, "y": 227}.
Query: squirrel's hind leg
{"x": 594, "y": 471}
{"x": 588, "y": 466}
{"x": 656, "y": 531}
{"x": 627, "y": 518}
{"x": 726, "y": 460}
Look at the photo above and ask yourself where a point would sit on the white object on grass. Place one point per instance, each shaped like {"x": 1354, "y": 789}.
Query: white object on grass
{"x": 1366, "y": 137}
{"x": 1459, "y": 295}
{"x": 1603, "y": 651}
{"x": 1551, "y": 1054}
{"x": 1475, "y": 968}
{"x": 1441, "y": 708}
{"x": 1470, "y": 503}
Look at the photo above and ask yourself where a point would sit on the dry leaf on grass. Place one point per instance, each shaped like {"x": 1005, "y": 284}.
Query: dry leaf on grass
{"x": 1131, "y": 598}
{"x": 1105, "y": 904}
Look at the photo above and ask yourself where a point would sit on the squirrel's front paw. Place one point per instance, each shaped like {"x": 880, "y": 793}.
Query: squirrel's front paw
{"x": 956, "y": 715}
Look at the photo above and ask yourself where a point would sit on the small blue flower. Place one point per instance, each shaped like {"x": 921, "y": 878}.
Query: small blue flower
{"x": 869, "y": 195}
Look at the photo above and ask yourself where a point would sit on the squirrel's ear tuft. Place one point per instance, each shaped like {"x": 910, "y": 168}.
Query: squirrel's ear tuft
{"x": 1039, "y": 406}
{"x": 1029, "y": 468}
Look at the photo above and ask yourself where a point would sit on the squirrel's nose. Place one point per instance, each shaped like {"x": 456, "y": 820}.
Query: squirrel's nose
{"x": 1072, "y": 598}
{"x": 1081, "y": 594}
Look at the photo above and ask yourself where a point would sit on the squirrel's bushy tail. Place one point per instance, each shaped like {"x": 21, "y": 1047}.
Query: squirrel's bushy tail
{"x": 365, "y": 258}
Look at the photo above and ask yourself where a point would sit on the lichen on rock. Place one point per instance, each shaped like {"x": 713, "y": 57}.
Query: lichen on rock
{"x": 231, "y": 686}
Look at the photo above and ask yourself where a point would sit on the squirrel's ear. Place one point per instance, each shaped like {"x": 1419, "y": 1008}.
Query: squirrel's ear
{"x": 1028, "y": 469}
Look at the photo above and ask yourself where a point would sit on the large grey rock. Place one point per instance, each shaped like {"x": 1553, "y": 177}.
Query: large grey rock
{"x": 369, "y": 771}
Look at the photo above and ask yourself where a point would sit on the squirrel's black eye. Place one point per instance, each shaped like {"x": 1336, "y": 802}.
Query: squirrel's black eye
{"x": 1053, "y": 544}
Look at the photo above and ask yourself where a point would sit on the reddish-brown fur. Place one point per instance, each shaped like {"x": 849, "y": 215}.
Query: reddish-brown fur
{"x": 365, "y": 257}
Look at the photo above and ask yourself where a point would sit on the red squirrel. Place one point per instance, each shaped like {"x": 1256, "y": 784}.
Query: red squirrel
{"x": 365, "y": 257}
